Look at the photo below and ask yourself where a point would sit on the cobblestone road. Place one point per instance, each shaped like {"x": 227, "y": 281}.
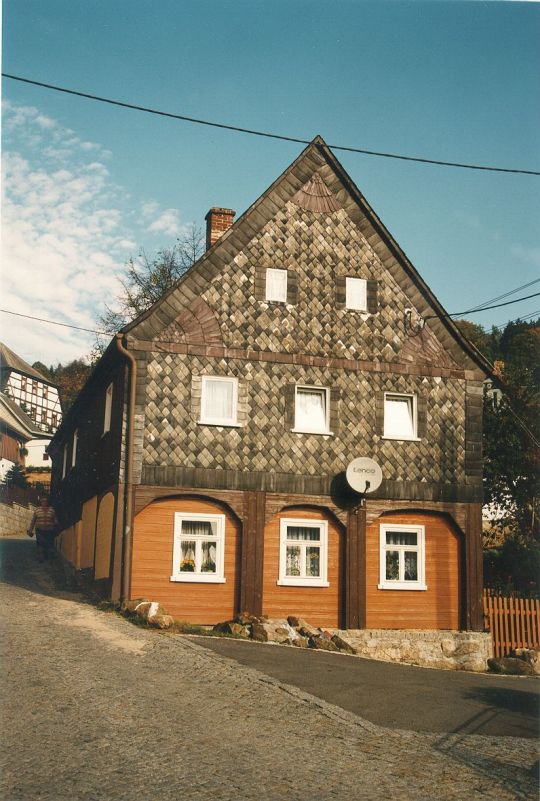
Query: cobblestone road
{"x": 95, "y": 708}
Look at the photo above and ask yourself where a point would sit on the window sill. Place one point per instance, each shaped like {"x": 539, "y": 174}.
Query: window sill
{"x": 298, "y": 582}
{"x": 319, "y": 433}
{"x": 218, "y": 424}
{"x": 198, "y": 579}
{"x": 403, "y": 585}
{"x": 403, "y": 439}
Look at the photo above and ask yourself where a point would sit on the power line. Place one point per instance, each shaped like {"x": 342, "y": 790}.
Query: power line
{"x": 501, "y": 297}
{"x": 516, "y": 320}
{"x": 54, "y": 322}
{"x": 484, "y": 308}
{"x": 266, "y": 134}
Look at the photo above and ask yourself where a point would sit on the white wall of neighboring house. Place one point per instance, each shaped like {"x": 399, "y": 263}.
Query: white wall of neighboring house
{"x": 5, "y": 465}
{"x": 36, "y": 452}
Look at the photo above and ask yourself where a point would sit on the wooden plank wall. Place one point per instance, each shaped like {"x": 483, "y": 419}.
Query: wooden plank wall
{"x": 321, "y": 606}
{"x": 152, "y": 564}
{"x": 438, "y": 607}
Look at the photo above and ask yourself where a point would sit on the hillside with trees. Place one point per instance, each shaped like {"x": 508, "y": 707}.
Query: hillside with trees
{"x": 511, "y": 452}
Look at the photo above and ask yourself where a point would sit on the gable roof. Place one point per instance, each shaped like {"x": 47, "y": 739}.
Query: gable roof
{"x": 9, "y": 360}
{"x": 12, "y": 416}
{"x": 317, "y": 180}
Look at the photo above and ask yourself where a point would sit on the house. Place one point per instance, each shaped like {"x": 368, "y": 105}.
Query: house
{"x": 34, "y": 400}
{"x": 203, "y": 464}
{"x": 17, "y": 430}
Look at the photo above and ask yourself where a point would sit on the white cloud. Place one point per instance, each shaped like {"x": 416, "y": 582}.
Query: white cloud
{"x": 66, "y": 234}
{"x": 167, "y": 223}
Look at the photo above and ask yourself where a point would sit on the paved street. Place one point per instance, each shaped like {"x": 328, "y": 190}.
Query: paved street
{"x": 96, "y": 708}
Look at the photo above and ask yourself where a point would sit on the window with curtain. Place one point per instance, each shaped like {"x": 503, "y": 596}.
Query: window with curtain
{"x": 402, "y": 557}
{"x": 311, "y": 410}
{"x": 219, "y": 400}
{"x": 198, "y": 551}
{"x": 356, "y": 294}
{"x": 276, "y": 285}
{"x": 399, "y": 416}
{"x": 303, "y": 552}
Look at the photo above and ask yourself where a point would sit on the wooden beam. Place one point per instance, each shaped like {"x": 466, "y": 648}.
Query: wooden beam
{"x": 251, "y": 575}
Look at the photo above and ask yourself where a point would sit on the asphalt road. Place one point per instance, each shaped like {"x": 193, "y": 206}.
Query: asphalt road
{"x": 94, "y": 708}
{"x": 399, "y": 696}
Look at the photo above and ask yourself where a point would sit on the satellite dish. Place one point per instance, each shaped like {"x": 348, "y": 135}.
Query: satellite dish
{"x": 364, "y": 475}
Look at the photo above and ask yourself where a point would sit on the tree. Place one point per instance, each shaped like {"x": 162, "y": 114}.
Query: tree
{"x": 70, "y": 378}
{"x": 145, "y": 280}
{"x": 15, "y": 477}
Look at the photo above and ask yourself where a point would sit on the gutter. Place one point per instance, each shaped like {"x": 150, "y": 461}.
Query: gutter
{"x": 125, "y": 575}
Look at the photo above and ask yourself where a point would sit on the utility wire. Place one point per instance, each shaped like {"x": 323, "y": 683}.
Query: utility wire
{"x": 501, "y": 297}
{"x": 262, "y": 133}
{"x": 516, "y": 320}
{"x": 54, "y": 322}
{"x": 484, "y": 308}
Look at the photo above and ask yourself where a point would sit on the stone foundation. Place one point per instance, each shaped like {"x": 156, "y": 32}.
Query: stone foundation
{"x": 14, "y": 519}
{"x": 452, "y": 650}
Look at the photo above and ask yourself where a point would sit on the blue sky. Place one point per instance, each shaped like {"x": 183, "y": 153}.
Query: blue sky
{"x": 87, "y": 185}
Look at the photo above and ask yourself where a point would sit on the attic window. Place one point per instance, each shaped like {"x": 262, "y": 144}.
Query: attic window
{"x": 356, "y": 294}
{"x": 276, "y": 285}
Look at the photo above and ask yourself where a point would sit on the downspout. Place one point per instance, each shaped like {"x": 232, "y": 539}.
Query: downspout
{"x": 128, "y": 477}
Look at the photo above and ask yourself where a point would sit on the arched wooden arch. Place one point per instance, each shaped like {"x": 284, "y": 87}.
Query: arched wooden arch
{"x": 442, "y": 604}
{"x": 321, "y": 606}
{"x": 152, "y": 561}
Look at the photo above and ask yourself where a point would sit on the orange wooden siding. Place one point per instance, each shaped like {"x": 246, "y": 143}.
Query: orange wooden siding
{"x": 321, "y": 606}
{"x": 438, "y": 607}
{"x": 152, "y": 564}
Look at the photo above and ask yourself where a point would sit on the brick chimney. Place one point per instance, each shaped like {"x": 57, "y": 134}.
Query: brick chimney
{"x": 217, "y": 222}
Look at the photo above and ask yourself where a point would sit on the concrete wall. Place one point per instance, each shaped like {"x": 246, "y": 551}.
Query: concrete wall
{"x": 14, "y": 519}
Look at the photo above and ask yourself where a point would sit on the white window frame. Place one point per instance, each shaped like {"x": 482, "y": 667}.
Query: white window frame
{"x": 219, "y": 421}
{"x": 108, "y": 409}
{"x": 74, "y": 444}
{"x": 303, "y": 581}
{"x": 64, "y": 463}
{"x": 413, "y": 405}
{"x": 420, "y": 548}
{"x": 349, "y": 304}
{"x": 198, "y": 577}
{"x": 326, "y": 392}
{"x": 274, "y": 299}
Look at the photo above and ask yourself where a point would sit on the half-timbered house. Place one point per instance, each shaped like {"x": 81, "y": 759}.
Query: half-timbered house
{"x": 203, "y": 463}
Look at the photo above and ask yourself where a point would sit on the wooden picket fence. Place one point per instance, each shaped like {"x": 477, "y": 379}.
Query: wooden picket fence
{"x": 513, "y": 622}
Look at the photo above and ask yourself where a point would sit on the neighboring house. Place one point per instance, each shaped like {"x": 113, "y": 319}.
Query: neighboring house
{"x": 202, "y": 465}
{"x": 38, "y": 399}
{"x": 17, "y": 432}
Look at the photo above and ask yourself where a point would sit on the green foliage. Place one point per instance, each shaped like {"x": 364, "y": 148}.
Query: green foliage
{"x": 514, "y": 566}
{"x": 70, "y": 378}
{"x": 15, "y": 477}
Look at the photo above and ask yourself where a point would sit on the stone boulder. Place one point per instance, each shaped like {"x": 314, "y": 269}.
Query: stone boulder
{"x": 306, "y": 629}
{"x": 343, "y": 645}
{"x": 234, "y": 628}
{"x": 322, "y": 644}
{"x": 529, "y": 655}
{"x": 511, "y": 666}
{"x": 161, "y": 621}
{"x": 131, "y": 606}
{"x": 273, "y": 631}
